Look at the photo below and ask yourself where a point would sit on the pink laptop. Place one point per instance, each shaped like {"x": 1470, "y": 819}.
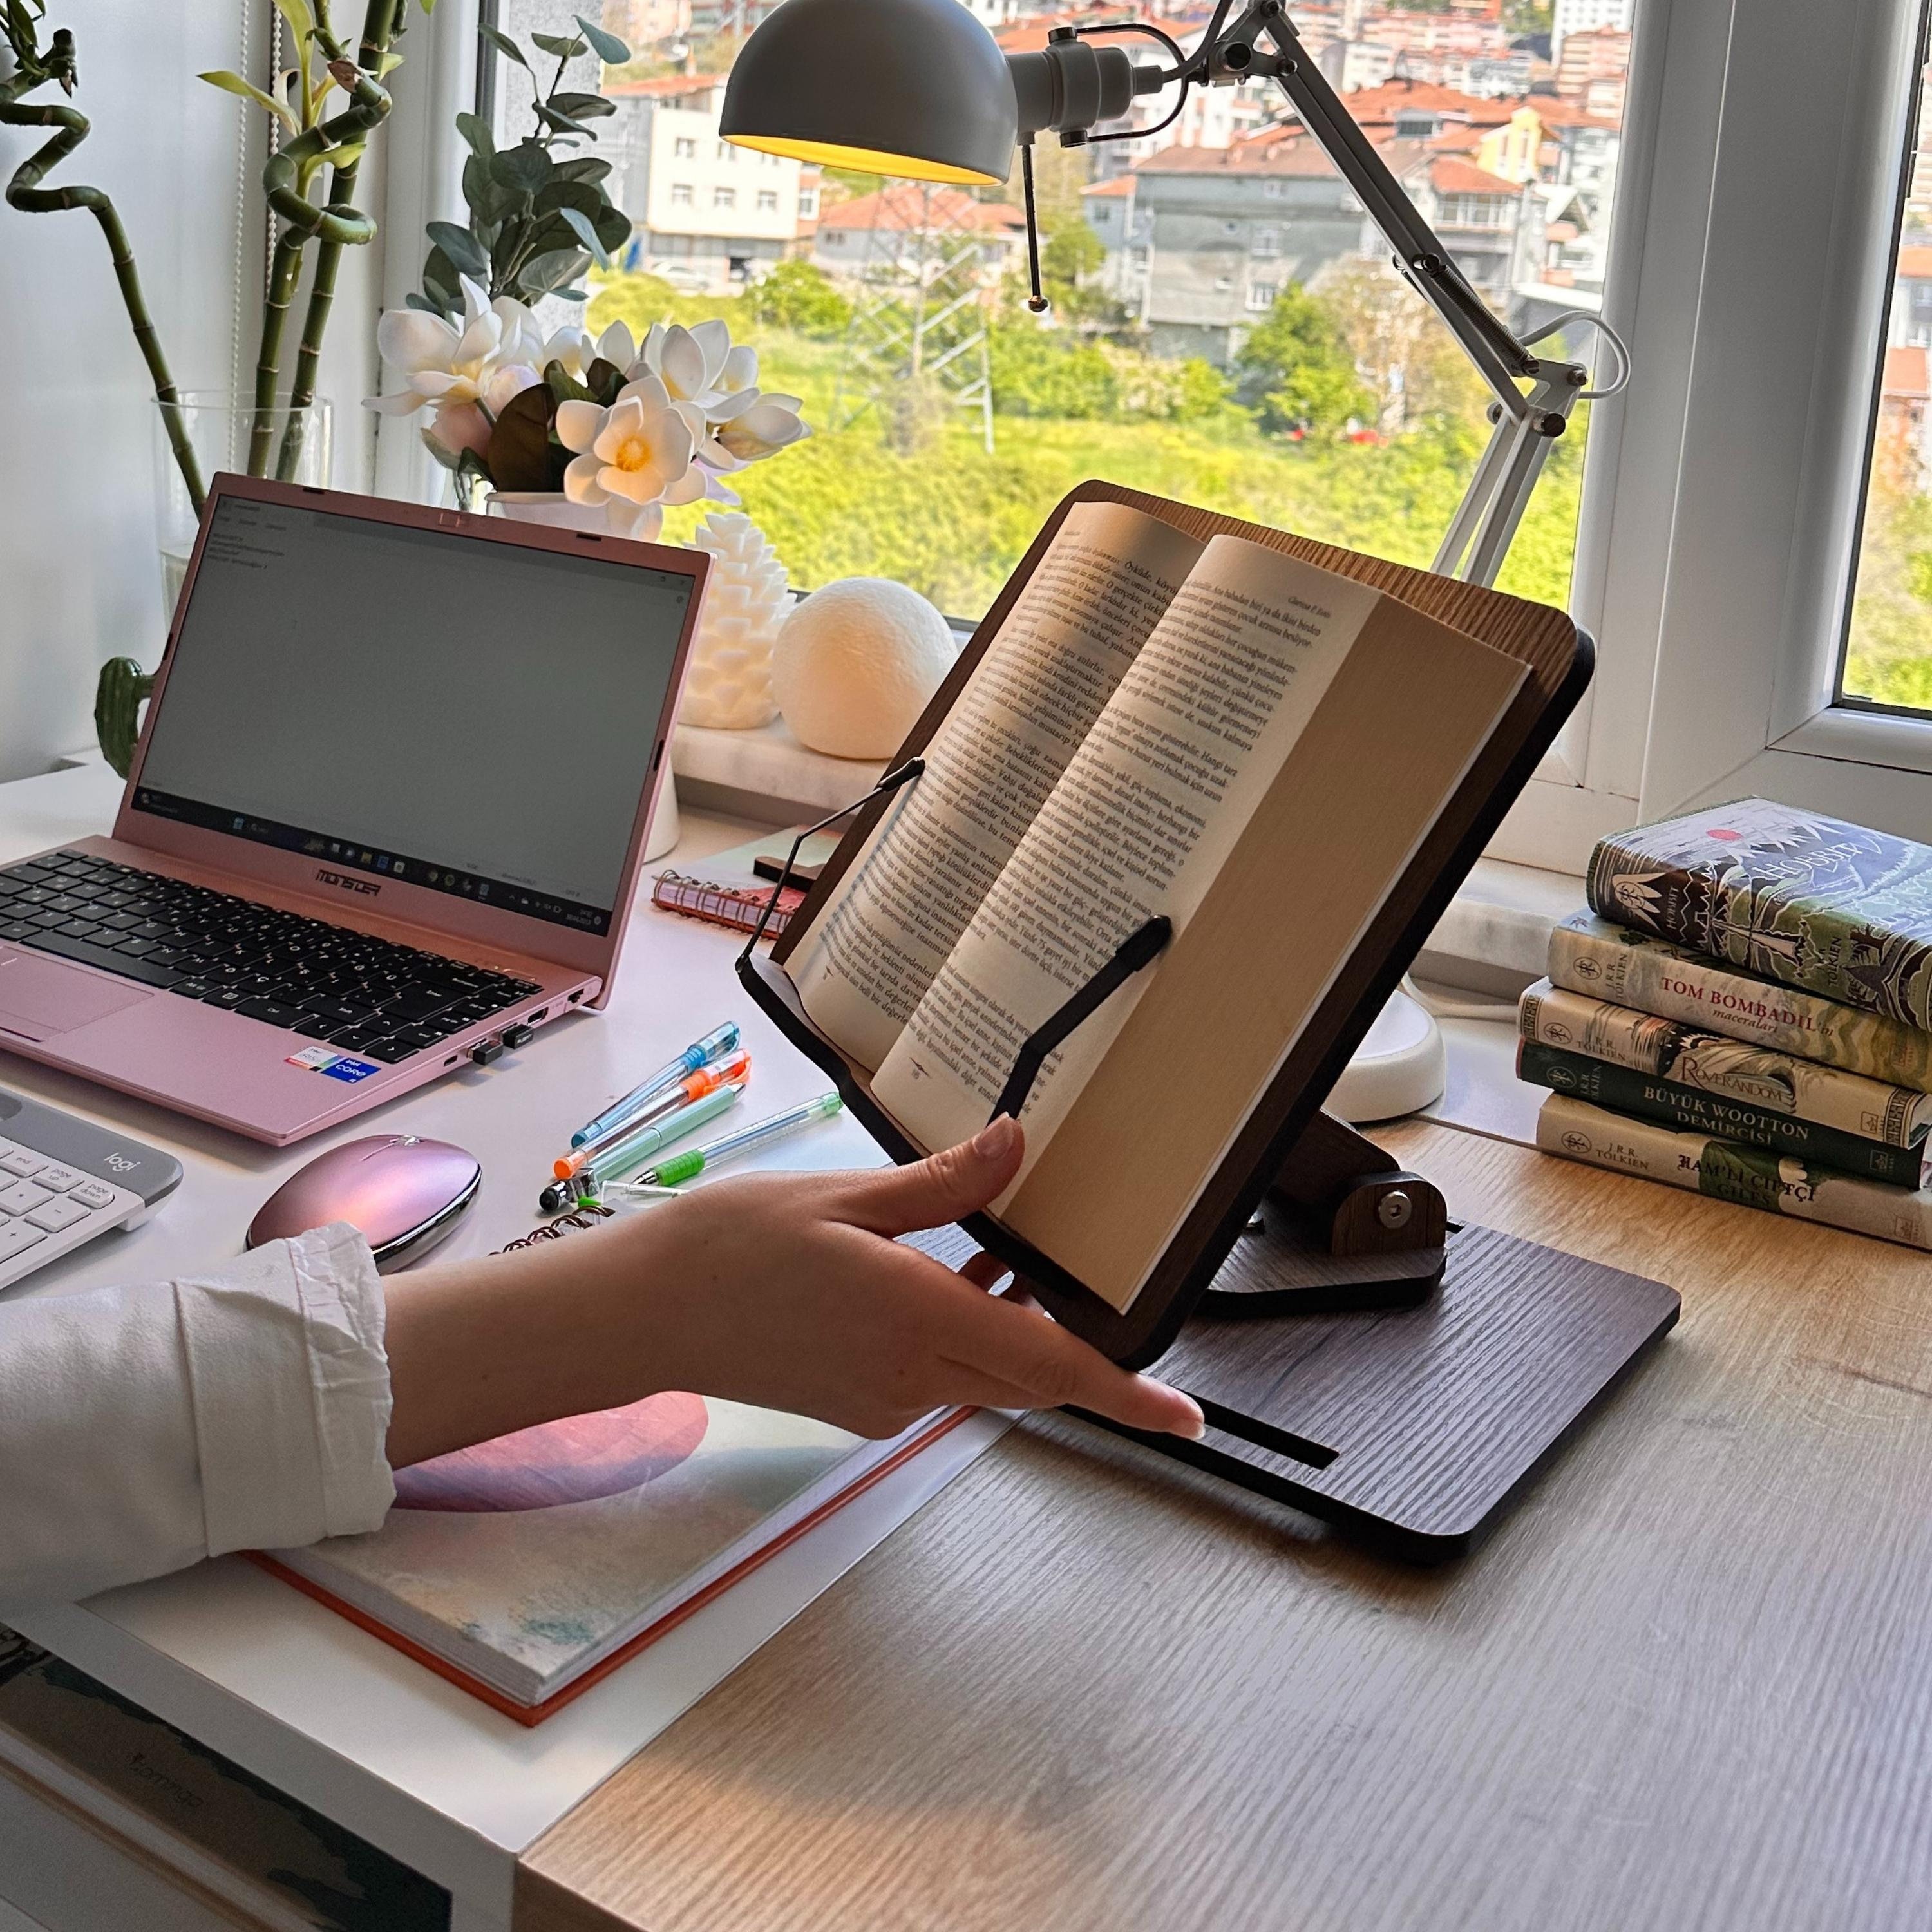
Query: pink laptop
{"x": 386, "y": 817}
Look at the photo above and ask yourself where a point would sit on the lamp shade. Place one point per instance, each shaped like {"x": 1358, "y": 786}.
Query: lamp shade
{"x": 914, "y": 87}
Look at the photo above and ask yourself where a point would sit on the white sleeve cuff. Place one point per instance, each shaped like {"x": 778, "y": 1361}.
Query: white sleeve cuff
{"x": 290, "y": 1390}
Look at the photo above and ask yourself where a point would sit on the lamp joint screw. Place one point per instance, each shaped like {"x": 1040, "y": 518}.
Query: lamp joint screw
{"x": 1531, "y": 367}
{"x": 1237, "y": 54}
{"x": 1553, "y": 425}
{"x": 1393, "y": 1209}
{"x": 1428, "y": 264}
{"x": 1038, "y": 304}
{"x": 1074, "y": 137}
{"x": 1060, "y": 36}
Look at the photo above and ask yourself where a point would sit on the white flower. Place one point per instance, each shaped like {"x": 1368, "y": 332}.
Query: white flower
{"x": 639, "y": 450}
{"x": 690, "y": 362}
{"x": 449, "y": 366}
{"x": 771, "y": 423}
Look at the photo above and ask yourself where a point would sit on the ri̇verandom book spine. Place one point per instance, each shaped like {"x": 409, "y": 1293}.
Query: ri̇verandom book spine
{"x": 1615, "y": 963}
{"x": 1730, "y": 1171}
{"x": 1807, "y": 901}
{"x": 1736, "y": 1069}
{"x": 1606, "y": 1084}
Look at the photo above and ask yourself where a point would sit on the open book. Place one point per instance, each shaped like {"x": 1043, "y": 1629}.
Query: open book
{"x": 1217, "y": 732}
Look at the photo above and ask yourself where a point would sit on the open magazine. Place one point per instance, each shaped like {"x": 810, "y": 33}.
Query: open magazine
{"x": 1214, "y": 732}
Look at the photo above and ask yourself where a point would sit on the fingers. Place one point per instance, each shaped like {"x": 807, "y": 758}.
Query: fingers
{"x": 929, "y": 1193}
{"x": 1053, "y": 1368}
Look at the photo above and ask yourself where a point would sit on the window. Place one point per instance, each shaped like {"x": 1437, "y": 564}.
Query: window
{"x": 1266, "y": 240}
{"x": 680, "y": 194}
{"x": 1273, "y": 190}
{"x": 1261, "y": 295}
{"x": 1222, "y": 284}
{"x": 684, "y": 148}
{"x": 726, "y": 152}
{"x": 768, "y": 201}
{"x": 724, "y": 197}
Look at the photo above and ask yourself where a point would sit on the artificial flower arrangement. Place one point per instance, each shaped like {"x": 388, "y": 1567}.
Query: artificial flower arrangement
{"x": 609, "y": 423}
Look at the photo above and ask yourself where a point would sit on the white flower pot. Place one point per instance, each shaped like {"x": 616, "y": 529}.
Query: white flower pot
{"x": 553, "y": 507}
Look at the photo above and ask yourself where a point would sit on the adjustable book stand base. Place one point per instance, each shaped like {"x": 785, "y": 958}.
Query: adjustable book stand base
{"x": 1361, "y": 1360}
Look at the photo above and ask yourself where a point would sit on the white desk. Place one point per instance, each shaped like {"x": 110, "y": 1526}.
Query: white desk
{"x": 286, "y": 1688}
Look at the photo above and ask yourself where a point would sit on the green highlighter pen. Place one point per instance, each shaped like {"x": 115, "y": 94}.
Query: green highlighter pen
{"x": 620, "y": 1157}
{"x": 693, "y": 1162}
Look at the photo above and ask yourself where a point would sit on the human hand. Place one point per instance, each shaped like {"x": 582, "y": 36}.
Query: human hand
{"x": 783, "y": 1290}
{"x": 789, "y": 1291}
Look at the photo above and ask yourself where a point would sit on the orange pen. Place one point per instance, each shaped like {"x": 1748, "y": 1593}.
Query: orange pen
{"x": 734, "y": 1066}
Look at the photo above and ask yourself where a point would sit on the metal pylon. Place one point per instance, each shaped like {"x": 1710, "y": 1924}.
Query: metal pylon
{"x": 919, "y": 320}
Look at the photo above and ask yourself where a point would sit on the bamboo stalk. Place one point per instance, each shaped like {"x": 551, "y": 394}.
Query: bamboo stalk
{"x": 378, "y": 31}
{"x": 24, "y": 191}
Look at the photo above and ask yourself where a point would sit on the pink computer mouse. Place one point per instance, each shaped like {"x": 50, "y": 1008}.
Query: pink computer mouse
{"x": 402, "y": 1193}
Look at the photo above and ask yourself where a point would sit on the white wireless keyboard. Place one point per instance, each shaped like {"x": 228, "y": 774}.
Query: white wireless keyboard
{"x": 63, "y": 1181}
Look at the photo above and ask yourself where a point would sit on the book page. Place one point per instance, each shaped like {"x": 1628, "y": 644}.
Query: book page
{"x": 1146, "y": 813}
{"x": 1097, "y": 593}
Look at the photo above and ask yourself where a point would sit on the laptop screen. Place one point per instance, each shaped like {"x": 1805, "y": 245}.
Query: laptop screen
{"x": 474, "y": 717}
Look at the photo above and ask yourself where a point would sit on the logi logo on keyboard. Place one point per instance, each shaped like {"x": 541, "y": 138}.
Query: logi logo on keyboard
{"x": 349, "y": 885}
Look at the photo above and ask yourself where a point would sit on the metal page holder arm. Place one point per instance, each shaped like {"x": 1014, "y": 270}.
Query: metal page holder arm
{"x": 1069, "y": 85}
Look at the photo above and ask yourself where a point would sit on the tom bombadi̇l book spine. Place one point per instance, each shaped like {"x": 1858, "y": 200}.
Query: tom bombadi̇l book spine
{"x": 1628, "y": 968}
{"x": 1754, "y": 1176}
{"x": 1684, "y": 1078}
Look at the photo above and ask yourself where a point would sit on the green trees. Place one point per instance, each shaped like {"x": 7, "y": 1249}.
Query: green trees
{"x": 800, "y": 296}
{"x": 1295, "y": 371}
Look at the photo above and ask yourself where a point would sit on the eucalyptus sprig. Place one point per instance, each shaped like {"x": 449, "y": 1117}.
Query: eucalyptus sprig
{"x": 539, "y": 216}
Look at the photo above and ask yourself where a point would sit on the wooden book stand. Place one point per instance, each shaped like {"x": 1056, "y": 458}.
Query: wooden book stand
{"x": 1355, "y": 1355}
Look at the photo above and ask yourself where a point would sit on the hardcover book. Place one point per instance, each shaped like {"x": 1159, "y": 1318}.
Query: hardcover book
{"x": 1790, "y": 895}
{"x": 1777, "y": 1083}
{"x": 1753, "y": 1177}
{"x": 1216, "y": 732}
{"x": 1604, "y": 1083}
{"x": 1593, "y": 956}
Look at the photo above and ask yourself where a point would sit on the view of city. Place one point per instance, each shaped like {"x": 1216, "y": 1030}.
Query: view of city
{"x": 1225, "y": 326}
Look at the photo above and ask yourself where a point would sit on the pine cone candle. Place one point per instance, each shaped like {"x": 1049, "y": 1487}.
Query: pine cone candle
{"x": 729, "y": 684}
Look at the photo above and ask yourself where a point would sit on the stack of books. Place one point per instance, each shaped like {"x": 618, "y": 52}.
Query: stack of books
{"x": 1746, "y": 1010}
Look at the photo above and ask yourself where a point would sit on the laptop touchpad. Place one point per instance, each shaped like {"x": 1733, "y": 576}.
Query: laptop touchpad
{"x": 40, "y": 997}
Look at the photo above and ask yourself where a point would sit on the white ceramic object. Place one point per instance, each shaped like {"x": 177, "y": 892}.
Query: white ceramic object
{"x": 855, "y": 664}
{"x": 728, "y": 686}
{"x": 1400, "y": 1067}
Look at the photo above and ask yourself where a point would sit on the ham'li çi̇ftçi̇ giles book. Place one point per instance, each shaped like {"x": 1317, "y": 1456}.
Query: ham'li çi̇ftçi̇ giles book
{"x": 1753, "y": 1177}
{"x": 1781, "y": 1083}
{"x": 1217, "y": 733}
{"x": 1606, "y": 961}
{"x": 1790, "y": 895}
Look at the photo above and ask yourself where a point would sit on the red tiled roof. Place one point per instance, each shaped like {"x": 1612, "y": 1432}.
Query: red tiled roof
{"x": 1915, "y": 264}
{"x": 1382, "y": 104}
{"x": 1029, "y": 36}
{"x": 903, "y": 207}
{"x": 1280, "y": 159}
{"x": 1906, "y": 375}
{"x": 666, "y": 86}
{"x": 1120, "y": 185}
{"x": 1555, "y": 112}
{"x": 1449, "y": 176}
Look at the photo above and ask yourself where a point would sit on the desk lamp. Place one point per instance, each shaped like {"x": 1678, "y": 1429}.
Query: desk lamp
{"x": 919, "y": 89}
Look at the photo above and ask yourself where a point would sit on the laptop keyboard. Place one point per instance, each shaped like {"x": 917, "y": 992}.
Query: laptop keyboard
{"x": 366, "y": 995}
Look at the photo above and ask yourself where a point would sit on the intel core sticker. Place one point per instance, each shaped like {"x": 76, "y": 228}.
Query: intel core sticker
{"x": 337, "y": 1066}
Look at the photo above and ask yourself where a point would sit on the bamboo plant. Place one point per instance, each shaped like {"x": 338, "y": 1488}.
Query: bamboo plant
{"x": 318, "y": 133}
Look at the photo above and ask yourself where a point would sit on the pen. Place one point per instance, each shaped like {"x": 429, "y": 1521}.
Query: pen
{"x": 619, "y": 1157}
{"x": 699, "y": 1053}
{"x": 693, "y": 1087}
{"x": 693, "y": 1162}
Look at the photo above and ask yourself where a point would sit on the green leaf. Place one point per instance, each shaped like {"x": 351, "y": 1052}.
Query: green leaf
{"x": 563, "y": 46}
{"x": 462, "y": 247}
{"x": 519, "y": 455}
{"x": 233, "y": 83}
{"x": 571, "y": 295}
{"x": 604, "y": 380}
{"x": 552, "y": 269}
{"x": 587, "y": 235}
{"x": 525, "y": 167}
{"x": 301, "y": 21}
{"x": 589, "y": 170}
{"x": 412, "y": 300}
{"x": 564, "y": 386}
{"x": 562, "y": 123}
{"x": 611, "y": 50}
{"x": 582, "y": 107}
{"x": 502, "y": 42}
{"x": 387, "y": 65}
{"x": 614, "y": 226}
{"x": 475, "y": 131}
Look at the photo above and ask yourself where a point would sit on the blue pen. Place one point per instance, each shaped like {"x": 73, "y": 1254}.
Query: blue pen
{"x": 694, "y": 1056}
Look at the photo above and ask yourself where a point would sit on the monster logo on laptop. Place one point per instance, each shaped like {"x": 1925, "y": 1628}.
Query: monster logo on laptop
{"x": 385, "y": 815}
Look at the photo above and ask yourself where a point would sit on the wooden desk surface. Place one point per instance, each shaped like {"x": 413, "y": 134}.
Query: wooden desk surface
{"x": 1687, "y": 1685}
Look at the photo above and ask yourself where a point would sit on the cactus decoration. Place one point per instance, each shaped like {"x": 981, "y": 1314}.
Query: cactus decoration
{"x": 728, "y": 685}
{"x": 319, "y": 133}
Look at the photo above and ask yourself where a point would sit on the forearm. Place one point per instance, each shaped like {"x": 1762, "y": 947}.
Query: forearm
{"x": 479, "y": 1348}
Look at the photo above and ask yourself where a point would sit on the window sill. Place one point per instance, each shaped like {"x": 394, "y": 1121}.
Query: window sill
{"x": 1492, "y": 939}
